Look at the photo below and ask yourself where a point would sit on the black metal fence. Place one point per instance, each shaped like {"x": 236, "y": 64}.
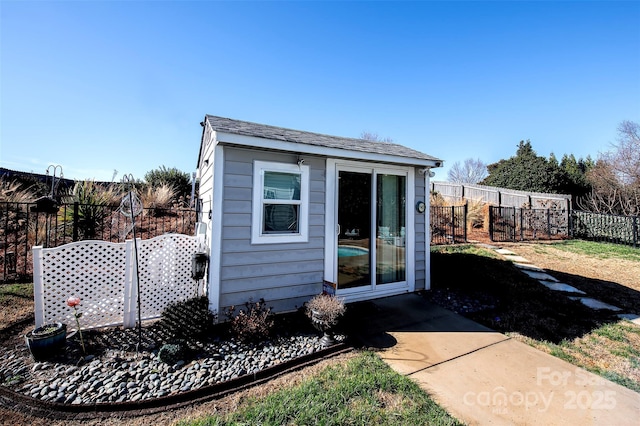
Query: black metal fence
{"x": 448, "y": 224}
{"x": 22, "y": 227}
{"x": 518, "y": 224}
{"x": 605, "y": 227}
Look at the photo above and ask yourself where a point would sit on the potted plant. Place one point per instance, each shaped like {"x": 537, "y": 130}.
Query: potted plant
{"x": 325, "y": 311}
{"x": 45, "y": 341}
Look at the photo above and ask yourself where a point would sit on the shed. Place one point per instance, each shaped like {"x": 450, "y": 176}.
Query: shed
{"x": 286, "y": 213}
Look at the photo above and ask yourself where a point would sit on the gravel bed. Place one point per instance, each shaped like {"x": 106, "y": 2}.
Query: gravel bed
{"x": 117, "y": 373}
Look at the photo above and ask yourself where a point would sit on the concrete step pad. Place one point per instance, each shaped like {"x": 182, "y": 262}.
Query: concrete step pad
{"x": 595, "y": 304}
{"x": 504, "y": 252}
{"x": 540, "y": 276}
{"x": 527, "y": 266}
{"x": 557, "y": 286}
{"x": 630, "y": 317}
{"x": 516, "y": 258}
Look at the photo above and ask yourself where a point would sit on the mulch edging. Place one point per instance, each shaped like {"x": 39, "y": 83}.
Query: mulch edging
{"x": 27, "y": 405}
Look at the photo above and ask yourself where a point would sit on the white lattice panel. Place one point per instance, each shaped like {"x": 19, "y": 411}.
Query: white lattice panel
{"x": 165, "y": 272}
{"x": 90, "y": 270}
{"x": 102, "y": 275}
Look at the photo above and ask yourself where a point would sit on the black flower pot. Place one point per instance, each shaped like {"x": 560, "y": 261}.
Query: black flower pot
{"x": 46, "y": 341}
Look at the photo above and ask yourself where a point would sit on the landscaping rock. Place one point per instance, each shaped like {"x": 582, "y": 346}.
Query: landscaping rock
{"x": 117, "y": 375}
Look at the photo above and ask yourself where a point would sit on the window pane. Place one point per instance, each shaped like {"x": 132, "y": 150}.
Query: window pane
{"x": 281, "y": 219}
{"x": 281, "y": 186}
{"x": 391, "y": 213}
{"x": 354, "y": 241}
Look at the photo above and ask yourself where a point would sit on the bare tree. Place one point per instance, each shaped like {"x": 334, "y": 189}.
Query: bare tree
{"x": 624, "y": 158}
{"x": 374, "y": 137}
{"x": 615, "y": 178}
{"x": 471, "y": 171}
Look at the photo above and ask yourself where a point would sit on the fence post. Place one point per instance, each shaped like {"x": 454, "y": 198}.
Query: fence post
{"x": 635, "y": 231}
{"x": 453, "y": 224}
{"x": 491, "y": 223}
{"x": 76, "y": 218}
{"x": 513, "y": 236}
{"x": 521, "y": 210}
{"x": 38, "y": 285}
{"x": 130, "y": 294}
{"x": 466, "y": 210}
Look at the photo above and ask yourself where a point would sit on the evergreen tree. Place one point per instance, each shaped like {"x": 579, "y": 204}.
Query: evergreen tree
{"x": 180, "y": 181}
{"x": 527, "y": 171}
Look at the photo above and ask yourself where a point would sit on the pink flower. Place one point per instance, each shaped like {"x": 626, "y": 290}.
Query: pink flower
{"x": 73, "y": 301}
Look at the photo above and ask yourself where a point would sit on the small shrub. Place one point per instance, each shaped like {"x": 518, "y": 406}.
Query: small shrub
{"x": 180, "y": 181}
{"x": 437, "y": 200}
{"x": 170, "y": 353}
{"x": 254, "y": 323}
{"x": 476, "y": 216}
{"x": 189, "y": 319}
{"x": 14, "y": 192}
{"x": 328, "y": 308}
{"x": 159, "y": 197}
{"x": 95, "y": 202}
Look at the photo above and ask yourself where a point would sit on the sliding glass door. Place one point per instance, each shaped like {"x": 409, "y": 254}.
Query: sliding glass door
{"x": 372, "y": 218}
{"x": 391, "y": 227}
{"x": 354, "y": 239}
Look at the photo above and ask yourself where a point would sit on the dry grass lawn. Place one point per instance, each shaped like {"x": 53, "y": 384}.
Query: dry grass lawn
{"x": 612, "y": 350}
{"x": 545, "y": 255}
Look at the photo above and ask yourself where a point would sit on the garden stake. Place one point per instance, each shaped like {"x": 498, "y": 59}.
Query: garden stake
{"x": 128, "y": 179}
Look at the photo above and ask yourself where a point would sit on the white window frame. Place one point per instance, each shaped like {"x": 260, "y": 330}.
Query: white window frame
{"x": 333, "y": 167}
{"x": 257, "y": 219}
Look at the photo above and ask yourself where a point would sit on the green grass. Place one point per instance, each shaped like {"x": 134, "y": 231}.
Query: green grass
{"x": 16, "y": 290}
{"x": 611, "y": 351}
{"x": 364, "y": 391}
{"x": 464, "y": 249}
{"x": 599, "y": 250}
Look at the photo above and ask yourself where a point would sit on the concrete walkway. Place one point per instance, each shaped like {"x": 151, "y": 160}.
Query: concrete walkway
{"x": 483, "y": 377}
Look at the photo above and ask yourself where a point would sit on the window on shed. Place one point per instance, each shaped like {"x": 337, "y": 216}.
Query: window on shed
{"x": 280, "y": 203}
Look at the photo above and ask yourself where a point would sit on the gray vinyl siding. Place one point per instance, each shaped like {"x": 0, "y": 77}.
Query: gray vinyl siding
{"x": 285, "y": 275}
{"x": 205, "y": 174}
{"x": 420, "y": 234}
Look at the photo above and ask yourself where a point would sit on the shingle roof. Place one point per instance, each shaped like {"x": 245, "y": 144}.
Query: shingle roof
{"x": 246, "y": 128}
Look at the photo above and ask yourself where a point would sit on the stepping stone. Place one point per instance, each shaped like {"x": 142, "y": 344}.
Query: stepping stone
{"x": 595, "y": 304}
{"x": 529, "y": 267}
{"x": 540, "y": 276}
{"x": 516, "y": 258}
{"x": 488, "y": 246}
{"x": 561, "y": 287}
{"x": 504, "y": 252}
{"x": 630, "y": 317}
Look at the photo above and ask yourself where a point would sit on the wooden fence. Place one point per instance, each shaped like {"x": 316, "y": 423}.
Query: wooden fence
{"x": 501, "y": 197}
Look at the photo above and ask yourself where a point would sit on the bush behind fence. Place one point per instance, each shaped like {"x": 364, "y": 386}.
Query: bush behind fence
{"x": 605, "y": 227}
{"x": 21, "y": 228}
{"x": 448, "y": 224}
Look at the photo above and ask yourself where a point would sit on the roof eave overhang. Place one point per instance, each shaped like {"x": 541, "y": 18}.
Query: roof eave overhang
{"x": 303, "y": 148}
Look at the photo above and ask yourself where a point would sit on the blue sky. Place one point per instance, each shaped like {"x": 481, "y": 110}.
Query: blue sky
{"x": 98, "y": 86}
